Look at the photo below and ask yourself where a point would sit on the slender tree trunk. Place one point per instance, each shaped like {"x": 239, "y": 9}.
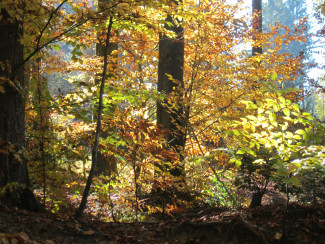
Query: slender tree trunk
{"x": 170, "y": 80}
{"x": 106, "y": 165}
{"x": 13, "y": 166}
{"x": 257, "y": 49}
{"x": 83, "y": 202}
{"x": 257, "y": 24}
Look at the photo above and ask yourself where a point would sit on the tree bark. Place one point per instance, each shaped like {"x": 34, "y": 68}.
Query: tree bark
{"x": 257, "y": 49}
{"x": 105, "y": 165}
{"x": 257, "y": 24}
{"x": 13, "y": 166}
{"x": 170, "y": 114}
{"x": 256, "y": 199}
{"x": 85, "y": 194}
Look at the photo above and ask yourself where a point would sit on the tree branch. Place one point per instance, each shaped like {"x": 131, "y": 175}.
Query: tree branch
{"x": 54, "y": 39}
{"x": 48, "y": 22}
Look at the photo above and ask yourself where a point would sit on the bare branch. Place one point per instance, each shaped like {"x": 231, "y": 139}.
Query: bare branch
{"x": 48, "y": 22}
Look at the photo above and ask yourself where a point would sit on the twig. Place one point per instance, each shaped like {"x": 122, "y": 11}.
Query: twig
{"x": 54, "y": 39}
{"x": 48, "y": 22}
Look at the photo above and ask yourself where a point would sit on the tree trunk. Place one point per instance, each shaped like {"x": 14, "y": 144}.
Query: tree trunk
{"x": 257, "y": 24}
{"x": 13, "y": 166}
{"x": 105, "y": 165}
{"x": 256, "y": 199}
{"x": 85, "y": 194}
{"x": 170, "y": 114}
{"x": 257, "y": 49}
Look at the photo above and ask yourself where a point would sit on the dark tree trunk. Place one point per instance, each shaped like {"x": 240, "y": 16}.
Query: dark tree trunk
{"x": 171, "y": 62}
{"x": 85, "y": 194}
{"x": 105, "y": 165}
{"x": 257, "y": 49}
{"x": 257, "y": 24}
{"x": 256, "y": 199}
{"x": 13, "y": 167}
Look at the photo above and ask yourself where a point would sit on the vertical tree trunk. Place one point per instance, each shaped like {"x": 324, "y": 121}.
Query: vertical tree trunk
{"x": 170, "y": 116}
{"x": 105, "y": 165}
{"x": 85, "y": 194}
{"x": 257, "y": 49}
{"x": 256, "y": 199}
{"x": 257, "y": 24}
{"x": 13, "y": 167}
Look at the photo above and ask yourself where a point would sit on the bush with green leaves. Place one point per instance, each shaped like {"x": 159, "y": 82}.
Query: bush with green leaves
{"x": 277, "y": 141}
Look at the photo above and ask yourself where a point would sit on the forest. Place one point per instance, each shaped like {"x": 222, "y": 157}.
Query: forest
{"x": 162, "y": 121}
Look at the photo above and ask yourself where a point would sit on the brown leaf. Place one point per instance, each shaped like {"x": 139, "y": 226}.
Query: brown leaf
{"x": 4, "y": 240}
{"x": 49, "y": 242}
{"x": 4, "y": 151}
{"x": 14, "y": 241}
{"x": 23, "y": 237}
{"x": 88, "y": 232}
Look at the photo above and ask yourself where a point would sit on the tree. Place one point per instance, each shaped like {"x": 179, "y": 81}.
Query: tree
{"x": 257, "y": 49}
{"x": 170, "y": 82}
{"x": 280, "y": 142}
{"x": 289, "y": 13}
{"x": 257, "y": 24}
{"x": 13, "y": 165}
{"x": 105, "y": 165}
{"x": 95, "y": 153}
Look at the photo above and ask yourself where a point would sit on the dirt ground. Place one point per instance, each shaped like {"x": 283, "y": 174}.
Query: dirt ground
{"x": 303, "y": 224}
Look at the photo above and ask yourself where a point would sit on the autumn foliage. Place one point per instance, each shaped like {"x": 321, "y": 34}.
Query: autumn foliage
{"x": 236, "y": 121}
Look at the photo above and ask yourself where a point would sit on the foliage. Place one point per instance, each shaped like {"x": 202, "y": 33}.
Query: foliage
{"x": 268, "y": 136}
{"x": 278, "y": 141}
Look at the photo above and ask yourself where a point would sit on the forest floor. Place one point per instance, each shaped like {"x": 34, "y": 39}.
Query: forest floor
{"x": 303, "y": 224}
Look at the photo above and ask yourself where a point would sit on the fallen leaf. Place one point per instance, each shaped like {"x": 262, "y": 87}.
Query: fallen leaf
{"x": 49, "y": 242}
{"x": 14, "y": 241}
{"x": 88, "y": 232}
{"x": 278, "y": 236}
{"x": 23, "y": 237}
{"x": 4, "y": 240}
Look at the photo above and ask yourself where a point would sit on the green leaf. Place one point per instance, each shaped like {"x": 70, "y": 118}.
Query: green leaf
{"x": 274, "y": 116}
{"x": 296, "y": 107}
{"x": 288, "y": 101}
{"x": 292, "y": 180}
{"x": 270, "y": 102}
{"x": 274, "y": 76}
{"x": 251, "y": 106}
{"x": 286, "y": 112}
{"x": 237, "y": 163}
{"x": 306, "y": 137}
{"x": 289, "y": 135}
{"x": 198, "y": 161}
{"x": 283, "y": 171}
{"x": 240, "y": 152}
{"x": 300, "y": 132}
{"x": 56, "y": 47}
{"x": 282, "y": 100}
{"x": 251, "y": 117}
{"x": 297, "y": 137}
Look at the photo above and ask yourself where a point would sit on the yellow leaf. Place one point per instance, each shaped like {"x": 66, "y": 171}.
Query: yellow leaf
{"x": 278, "y": 236}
